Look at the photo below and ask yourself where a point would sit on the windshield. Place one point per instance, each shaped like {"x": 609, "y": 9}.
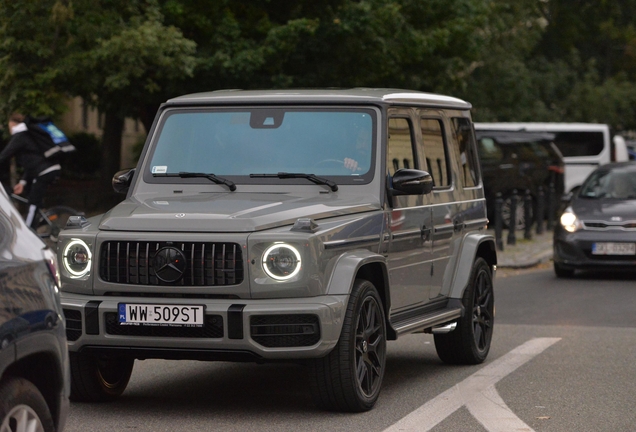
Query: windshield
{"x": 610, "y": 184}
{"x": 236, "y": 143}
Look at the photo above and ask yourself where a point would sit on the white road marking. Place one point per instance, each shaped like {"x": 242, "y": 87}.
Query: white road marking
{"x": 479, "y": 395}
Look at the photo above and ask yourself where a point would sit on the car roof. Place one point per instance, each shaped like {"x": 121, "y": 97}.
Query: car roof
{"x": 544, "y": 127}
{"x": 629, "y": 166}
{"x": 381, "y": 96}
{"x": 514, "y": 137}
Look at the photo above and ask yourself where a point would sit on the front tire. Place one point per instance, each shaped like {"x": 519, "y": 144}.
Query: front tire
{"x": 349, "y": 378}
{"x": 469, "y": 343}
{"x": 98, "y": 378}
{"x": 23, "y": 408}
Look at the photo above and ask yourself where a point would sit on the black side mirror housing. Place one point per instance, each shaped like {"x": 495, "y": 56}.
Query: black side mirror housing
{"x": 122, "y": 180}
{"x": 411, "y": 182}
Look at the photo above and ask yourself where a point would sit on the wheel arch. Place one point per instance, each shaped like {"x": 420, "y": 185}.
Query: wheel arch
{"x": 474, "y": 246}
{"x": 367, "y": 265}
{"x": 45, "y": 372}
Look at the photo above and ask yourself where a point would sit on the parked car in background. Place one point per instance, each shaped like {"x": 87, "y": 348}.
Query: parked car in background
{"x": 516, "y": 162}
{"x": 584, "y": 146}
{"x": 34, "y": 366}
{"x": 598, "y": 228}
{"x": 631, "y": 149}
{"x": 301, "y": 225}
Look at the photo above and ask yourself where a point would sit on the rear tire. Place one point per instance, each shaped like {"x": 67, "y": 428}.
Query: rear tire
{"x": 22, "y": 407}
{"x": 349, "y": 377}
{"x": 470, "y": 342}
{"x": 99, "y": 378}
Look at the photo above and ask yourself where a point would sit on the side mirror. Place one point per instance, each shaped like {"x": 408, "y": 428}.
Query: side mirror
{"x": 411, "y": 182}
{"x": 122, "y": 180}
{"x": 566, "y": 198}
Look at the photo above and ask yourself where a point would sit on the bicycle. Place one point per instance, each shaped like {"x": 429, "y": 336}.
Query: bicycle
{"x": 50, "y": 221}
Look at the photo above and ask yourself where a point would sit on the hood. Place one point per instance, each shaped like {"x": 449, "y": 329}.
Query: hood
{"x": 608, "y": 210}
{"x": 229, "y": 212}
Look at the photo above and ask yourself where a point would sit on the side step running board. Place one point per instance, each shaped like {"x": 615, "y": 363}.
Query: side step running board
{"x": 423, "y": 322}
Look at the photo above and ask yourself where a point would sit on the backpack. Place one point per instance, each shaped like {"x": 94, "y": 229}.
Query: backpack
{"x": 50, "y": 139}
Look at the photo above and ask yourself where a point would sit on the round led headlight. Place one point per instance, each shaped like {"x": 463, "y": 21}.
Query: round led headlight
{"x": 281, "y": 261}
{"x": 569, "y": 221}
{"x": 77, "y": 258}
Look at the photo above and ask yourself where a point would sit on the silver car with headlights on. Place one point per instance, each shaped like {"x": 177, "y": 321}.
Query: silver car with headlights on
{"x": 308, "y": 226}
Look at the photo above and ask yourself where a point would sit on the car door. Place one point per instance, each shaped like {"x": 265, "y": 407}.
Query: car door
{"x": 410, "y": 224}
{"x": 445, "y": 211}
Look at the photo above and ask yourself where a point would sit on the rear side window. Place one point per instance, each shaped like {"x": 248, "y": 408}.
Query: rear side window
{"x": 579, "y": 143}
{"x": 435, "y": 151}
{"x": 400, "y": 146}
{"x": 464, "y": 139}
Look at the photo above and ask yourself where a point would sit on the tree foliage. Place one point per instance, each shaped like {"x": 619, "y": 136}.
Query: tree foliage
{"x": 521, "y": 60}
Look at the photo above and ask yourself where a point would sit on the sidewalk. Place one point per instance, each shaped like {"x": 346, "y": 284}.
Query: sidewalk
{"x": 525, "y": 253}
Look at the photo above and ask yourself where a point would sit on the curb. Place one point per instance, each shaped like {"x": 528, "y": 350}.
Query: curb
{"x": 531, "y": 262}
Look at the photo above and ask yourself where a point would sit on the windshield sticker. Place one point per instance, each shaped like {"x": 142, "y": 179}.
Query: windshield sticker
{"x": 160, "y": 169}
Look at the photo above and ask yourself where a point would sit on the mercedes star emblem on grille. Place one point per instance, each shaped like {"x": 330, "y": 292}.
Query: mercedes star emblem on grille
{"x": 169, "y": 264}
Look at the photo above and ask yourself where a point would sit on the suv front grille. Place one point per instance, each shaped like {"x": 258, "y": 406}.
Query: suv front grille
{"x": 278, "y": 331}
{"x": 212, "y": 329}
{"x": 604, "y": 225}
{"x": 207, "y": 264}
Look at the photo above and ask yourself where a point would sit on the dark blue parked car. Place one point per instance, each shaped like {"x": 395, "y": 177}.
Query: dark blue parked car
{"x": 34, "y": 367}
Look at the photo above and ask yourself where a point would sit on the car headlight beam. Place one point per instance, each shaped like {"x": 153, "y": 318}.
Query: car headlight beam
{"x": 281, "y": 261}
{"x": 77, "y": 258}
{"x": 569, "y": 221}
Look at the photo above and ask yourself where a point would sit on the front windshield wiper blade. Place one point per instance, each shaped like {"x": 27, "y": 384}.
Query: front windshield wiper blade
{"x": 282, "y": 175}
{"x": 209, "y": 176}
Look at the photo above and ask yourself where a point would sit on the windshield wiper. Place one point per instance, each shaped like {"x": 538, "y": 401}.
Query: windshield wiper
{"x": 209, "y": 176}
{"x": 312, "y": 178}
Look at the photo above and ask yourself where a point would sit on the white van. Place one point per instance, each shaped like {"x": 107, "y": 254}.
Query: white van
{"x": 584, "y": 146}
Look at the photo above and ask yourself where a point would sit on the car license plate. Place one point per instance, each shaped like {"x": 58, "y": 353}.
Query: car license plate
{"x": 614, "y": 248}
{"x": 160, "y": 315}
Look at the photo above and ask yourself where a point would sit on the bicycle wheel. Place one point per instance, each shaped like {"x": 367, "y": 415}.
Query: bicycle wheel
{"x": 57, "y": 217}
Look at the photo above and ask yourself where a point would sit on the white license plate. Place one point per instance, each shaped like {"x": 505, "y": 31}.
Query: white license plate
{"x": 614, "y": 248}
{"x": 160, "y": 315}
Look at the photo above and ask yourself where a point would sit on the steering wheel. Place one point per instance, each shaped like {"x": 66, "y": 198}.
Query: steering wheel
{"x": 329, "y": 161}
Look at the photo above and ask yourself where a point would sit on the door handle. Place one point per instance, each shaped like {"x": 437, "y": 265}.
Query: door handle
{"x": 458, "y": 225}
{"x": 426, "y": 233}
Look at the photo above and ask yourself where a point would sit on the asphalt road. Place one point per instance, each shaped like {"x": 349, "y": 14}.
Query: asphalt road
{"x": 562, "y": 359}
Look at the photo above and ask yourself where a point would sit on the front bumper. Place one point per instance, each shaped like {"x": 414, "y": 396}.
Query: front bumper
{"x": 252, "y": 329}
{"x": 574, "y": 250}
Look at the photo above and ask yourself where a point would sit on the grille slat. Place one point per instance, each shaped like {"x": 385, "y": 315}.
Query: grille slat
{"x": 611, "y": 226}
{"x": 73, "y": 324}
{"x": 208, "y": 264}
{"x": 277, "y": 331}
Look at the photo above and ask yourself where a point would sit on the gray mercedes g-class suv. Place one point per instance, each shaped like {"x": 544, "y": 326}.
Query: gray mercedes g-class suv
{"x": 309, "y": 226}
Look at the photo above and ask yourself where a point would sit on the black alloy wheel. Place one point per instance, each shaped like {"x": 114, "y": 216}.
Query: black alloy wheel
{"x": 483, "y": 310}
{"x": 370, "y": 347}
{"x": 349, "y": 378}
{"x": 470, "y": 342}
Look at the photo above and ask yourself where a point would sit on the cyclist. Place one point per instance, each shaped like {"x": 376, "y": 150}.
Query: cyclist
{"x": 39, "y": 171}
{"x": 5, "y": 169}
